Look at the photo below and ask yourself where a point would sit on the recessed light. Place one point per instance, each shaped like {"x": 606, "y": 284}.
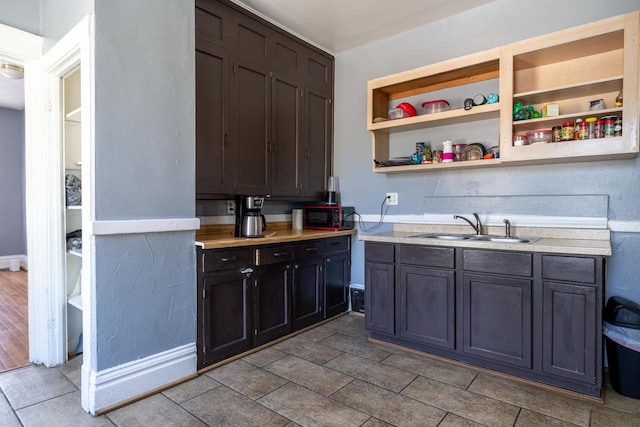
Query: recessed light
{"x": 11, "y": 71}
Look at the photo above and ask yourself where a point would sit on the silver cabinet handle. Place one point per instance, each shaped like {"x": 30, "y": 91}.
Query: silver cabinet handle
{"x": 246, "y": 270}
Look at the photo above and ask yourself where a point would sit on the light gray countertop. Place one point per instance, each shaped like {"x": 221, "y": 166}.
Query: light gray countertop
{"x": 550, "y": 240}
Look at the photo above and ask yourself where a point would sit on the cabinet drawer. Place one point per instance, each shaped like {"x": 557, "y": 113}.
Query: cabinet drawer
{"x": 497, "y": 262}
{"x": 337, "y": 244}
{"x": 227, "y": 259}
{"x": 311, "y": 249}
{"x": 382, "y": 252}
{"x": 569, "y": 268}
{"x": 427, "y": 256}
{"x": 274, "y": 254}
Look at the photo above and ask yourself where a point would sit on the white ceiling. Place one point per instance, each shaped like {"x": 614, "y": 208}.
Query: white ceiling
{"x": 333, "y": 25}
{"x": 339, "y": 25}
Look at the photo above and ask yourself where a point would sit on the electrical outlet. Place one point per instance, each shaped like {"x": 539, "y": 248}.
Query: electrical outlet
{"x": 231, "y": 206}
{"x": 393, "y": 199}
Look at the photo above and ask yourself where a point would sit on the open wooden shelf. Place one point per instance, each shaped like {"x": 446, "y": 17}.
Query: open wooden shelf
{"x": 571, "y": 68}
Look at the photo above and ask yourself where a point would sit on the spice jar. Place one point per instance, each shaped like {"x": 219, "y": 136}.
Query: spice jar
{"x": 609, "y": 127}
{"x": 591, "y": 127}
{"x": 598, "y": 133}
{"x": 556, "y": 134}
{"x": 582, "y": 131}
{"x": 567, "y": 131}
{"x": 617, "y": 127}
{"x": 576, "y": 129}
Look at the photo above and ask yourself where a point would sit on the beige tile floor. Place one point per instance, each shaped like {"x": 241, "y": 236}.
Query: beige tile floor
{"x": 328, "y": 376}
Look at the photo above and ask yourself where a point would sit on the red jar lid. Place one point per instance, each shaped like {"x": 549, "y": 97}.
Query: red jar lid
{"x": 567, "y": 124}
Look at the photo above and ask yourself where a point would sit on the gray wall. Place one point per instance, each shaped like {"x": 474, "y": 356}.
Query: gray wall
{"x": 494, "y": 24}
{"x": 23, "y": 15}
{"x": 58, "y": 17}
{"x": 12, "y": 227}
{"x": 145, "y": 168}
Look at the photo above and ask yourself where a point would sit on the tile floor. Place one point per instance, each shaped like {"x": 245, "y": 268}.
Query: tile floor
{"x": 328, "y": 376}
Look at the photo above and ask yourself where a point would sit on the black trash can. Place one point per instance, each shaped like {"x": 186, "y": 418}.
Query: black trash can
{"x": 622, "y": 333}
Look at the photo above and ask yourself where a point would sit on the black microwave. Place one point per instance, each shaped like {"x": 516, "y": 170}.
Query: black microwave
{"x": 329, "y": 217}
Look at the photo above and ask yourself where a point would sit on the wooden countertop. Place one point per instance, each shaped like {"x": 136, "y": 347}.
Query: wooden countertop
{"x": 221, "y": 236}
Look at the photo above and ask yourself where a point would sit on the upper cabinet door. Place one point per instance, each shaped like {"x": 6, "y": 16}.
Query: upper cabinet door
{"x": 286, "y": 110}
{"x": 250, "y": 112}
{"x": 214, "y": 160}
{"x": 318, "y": 134}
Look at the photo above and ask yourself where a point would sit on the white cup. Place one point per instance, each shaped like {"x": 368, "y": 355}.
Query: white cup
{"x": 296, "y": 219}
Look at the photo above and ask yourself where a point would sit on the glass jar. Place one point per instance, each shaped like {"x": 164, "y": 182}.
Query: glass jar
{"x": 591, "y": 127}
{"x": 576, "y": 129}
{"x": 582, "y": 131}
{"x": 609, "y": 128}
{"x": 556, "y": 134}
{"x": 567, "y": 131}
{"x": 599, "y": 129}
{"x": 617, "y": 127}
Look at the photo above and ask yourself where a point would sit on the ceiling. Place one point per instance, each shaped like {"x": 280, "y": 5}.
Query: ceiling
{"x": 340, "y": 25}
{"x": 333, "y": 25}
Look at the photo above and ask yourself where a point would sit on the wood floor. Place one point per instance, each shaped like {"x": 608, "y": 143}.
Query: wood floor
{"x": 14, "y": 332}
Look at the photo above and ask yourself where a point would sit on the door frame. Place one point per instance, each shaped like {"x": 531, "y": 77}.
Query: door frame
{"x": 44, "y": 172}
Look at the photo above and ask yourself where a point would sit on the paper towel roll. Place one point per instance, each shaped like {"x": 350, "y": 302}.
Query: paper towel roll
{"x": 296, "y": 219}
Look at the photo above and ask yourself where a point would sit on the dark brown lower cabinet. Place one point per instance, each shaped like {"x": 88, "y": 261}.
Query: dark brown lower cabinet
{"x": 224, "y": 303}
{"x": 498, "y": 318}
{"x": 307, "y": 292}
{"x": 570, "y": 327}
{"x": 426, "y": 298}
{"x": 379, "y": 296}
{"x": 533, "y": 315}
{"x": 253, "y": 295}
{"x": 272, "y": 289}
{"x": 337, "y": 275}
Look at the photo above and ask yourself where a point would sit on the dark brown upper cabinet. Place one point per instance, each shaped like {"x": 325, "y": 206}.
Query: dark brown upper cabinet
{"x": 264, "y": 112}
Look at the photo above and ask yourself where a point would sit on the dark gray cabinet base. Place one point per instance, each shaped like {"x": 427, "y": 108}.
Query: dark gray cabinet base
{"x": 530, "y": 315}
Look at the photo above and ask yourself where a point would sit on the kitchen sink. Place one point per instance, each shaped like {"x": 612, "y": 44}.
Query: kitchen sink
{"x": 484, "y": 237}
{"x": 444, "y": 236}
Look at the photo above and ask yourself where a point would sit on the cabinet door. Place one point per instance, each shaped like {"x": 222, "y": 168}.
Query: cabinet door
{"x": 272, "y": 313}
{"x": 379, "y": 296}
{"x": 225, "y": 316}
{"x": 250, "y": 106}
{"x": 318, "y": 131}
{"x": 214, "y": 159}
{"x": 307, "y": 293}
{"x": 426, "y": 299}
{"x": 337, "y": 275}
{"x": 286, "y": 103}
{"x": 497, "y": 316}
{"x": 569, "y": 331}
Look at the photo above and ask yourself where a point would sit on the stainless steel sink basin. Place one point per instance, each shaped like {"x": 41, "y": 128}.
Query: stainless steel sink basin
{"x": 443, "y": 236}
{"x": 485, "y": 238}
{"x": 511, "y": 240}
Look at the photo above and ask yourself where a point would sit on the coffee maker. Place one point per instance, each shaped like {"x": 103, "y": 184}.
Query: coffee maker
{"x": 250, "y": 221}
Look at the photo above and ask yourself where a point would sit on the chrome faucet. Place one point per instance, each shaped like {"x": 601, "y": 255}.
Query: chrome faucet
{"x": 507, "y": 228}
{"x": 477, "y": 227}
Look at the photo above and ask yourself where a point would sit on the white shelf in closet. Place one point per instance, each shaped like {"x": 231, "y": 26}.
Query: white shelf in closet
{"x": 75, "y": 252}
{"x": 73, "y": 116}
{"x": 76, "y": 301}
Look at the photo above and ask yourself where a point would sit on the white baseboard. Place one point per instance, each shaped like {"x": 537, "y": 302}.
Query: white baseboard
{"x": 13, "y": 262}
{"x": 116, "y": 385}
